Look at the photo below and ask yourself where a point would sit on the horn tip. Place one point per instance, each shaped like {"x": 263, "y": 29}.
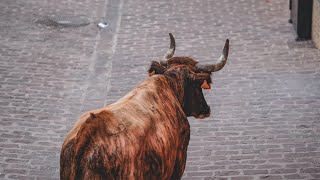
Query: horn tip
{"x": 226, "y": 48}
{"x": 171, "y": 37}
{"x": 172, "y": 42}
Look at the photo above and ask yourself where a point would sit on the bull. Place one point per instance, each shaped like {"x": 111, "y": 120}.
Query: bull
{"x": 145, "y": 134}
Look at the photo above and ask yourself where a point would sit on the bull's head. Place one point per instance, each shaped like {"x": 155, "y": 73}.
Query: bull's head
{"x": 195, "y": 77}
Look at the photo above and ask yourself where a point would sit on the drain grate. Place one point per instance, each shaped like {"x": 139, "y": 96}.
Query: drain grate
{"x": 64, "y": 21}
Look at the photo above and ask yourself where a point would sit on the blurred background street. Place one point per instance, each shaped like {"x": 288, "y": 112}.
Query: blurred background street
{"x": 265, "y": 102}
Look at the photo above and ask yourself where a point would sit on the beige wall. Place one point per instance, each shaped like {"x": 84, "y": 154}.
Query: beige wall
{"x": 316, "y": 23}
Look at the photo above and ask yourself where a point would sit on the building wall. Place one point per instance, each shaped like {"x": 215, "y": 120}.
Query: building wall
{"x": 316, "y": 23}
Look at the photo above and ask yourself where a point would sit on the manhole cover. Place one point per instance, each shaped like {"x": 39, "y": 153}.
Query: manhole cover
{"x": 64, "y": 21}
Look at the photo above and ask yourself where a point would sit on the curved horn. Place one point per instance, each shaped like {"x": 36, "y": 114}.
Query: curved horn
{"x": 219, "y": 65}
{"x": 170, "y": 52}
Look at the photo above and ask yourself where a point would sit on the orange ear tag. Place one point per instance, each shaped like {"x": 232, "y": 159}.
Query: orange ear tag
{"x": 152, "y": 73}
{"x": 205, "y": 85}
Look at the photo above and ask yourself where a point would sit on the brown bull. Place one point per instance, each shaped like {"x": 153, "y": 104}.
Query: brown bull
{"x": 145, "y": 134}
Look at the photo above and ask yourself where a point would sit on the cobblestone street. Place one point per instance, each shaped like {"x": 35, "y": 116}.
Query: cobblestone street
{"x": 265, "y": 103}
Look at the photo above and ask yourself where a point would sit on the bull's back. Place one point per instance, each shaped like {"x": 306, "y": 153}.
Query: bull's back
{"x": 90, "y": 148}
{"x": 117, "y": 150}
{"x": 98, "y": 148}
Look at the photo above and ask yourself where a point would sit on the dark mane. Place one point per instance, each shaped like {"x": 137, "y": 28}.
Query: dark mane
{"x": 182, "y": 60}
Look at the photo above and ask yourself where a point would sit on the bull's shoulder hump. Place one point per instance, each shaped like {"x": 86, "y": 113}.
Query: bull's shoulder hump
{"x": 84, "y": 119}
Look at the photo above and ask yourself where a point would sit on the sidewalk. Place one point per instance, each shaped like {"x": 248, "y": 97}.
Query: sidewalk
{"x": 265, "y": 102}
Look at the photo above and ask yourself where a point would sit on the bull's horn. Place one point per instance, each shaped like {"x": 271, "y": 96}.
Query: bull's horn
{"x": 170, "y": 52}
{"x": 217, "y": 66}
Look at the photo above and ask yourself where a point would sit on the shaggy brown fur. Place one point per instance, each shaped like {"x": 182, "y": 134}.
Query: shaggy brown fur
{"x": 131, "y": 139}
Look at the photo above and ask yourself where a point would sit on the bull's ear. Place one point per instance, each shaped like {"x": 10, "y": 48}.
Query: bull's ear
{"x": 156, "y": 68}
{"x": 152, "y": 73}
{"x": 205, "y": 85}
